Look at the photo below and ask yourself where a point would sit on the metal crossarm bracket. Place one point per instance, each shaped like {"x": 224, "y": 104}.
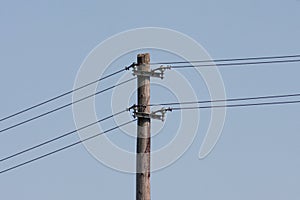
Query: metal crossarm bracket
{"x": 158, "y": 72}
{"x": 158, "y": 114}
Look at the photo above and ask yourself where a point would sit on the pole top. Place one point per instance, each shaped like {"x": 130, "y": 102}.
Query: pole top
{"x": 143, "y": 58}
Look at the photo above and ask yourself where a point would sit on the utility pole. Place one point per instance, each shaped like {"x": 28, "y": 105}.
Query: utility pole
{"x": 143, "y": 129}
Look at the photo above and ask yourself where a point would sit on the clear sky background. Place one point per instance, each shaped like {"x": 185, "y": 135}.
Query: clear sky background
{"x": 43, "y": 43}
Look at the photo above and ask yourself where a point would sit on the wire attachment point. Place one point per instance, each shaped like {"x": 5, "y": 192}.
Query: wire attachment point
{"x": 158, "y": 114}
{"x": 158, "y": 72}
{"x": 130, "y": 66}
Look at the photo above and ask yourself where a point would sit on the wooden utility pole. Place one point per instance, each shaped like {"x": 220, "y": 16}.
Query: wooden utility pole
{"x": 143, "y": 130}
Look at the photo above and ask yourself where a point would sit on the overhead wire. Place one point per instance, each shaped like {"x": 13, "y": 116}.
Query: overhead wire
{"x": 162, "y": 104}
{"x": 65, "y": 93}
{"x": 132, "y": 65}
{"x": 176, "y": 62}
{"x": 59, "y": 137}
{"x": 228, "y": 59}
{"x": 157, "y": 104}
{"x": 236, "y": 64}
{"x": 63, "y": 148}
{"x": 228, "y": 100}
{"x": 64, "y": 106}
{"x": 236, "y": 105}
{"x": 173, "y": 109}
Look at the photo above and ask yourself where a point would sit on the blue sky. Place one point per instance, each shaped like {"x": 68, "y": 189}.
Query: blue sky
{"x": 43, "y": 43}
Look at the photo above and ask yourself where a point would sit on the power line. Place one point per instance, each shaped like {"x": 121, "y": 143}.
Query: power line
{"x": 132, "y": 65}
{"x": 237, "y": 64}
{"x": 63, "y": 148}
{"x": 65, "y": 93}
{"x": 237, "y": 105}
{"x": 64, "y": 106}
{"x": 228, "y": 59}
{"x": 59, "y": 137}
{"x": 229, "y": 100}
{"x": 176, "y": 62}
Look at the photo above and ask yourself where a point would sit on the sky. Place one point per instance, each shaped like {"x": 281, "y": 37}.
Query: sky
{"x": 44, "y": 43}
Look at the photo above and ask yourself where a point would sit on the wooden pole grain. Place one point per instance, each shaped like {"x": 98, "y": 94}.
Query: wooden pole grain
{"x": 143, "y": 131}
